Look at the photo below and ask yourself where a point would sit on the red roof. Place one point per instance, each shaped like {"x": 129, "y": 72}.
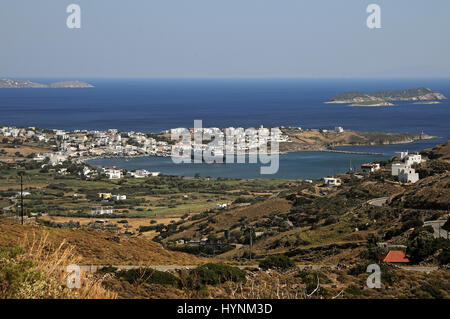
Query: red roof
{"x": 395, "y": 256}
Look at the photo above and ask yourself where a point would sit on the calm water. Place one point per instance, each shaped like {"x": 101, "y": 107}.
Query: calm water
{"x": 153, "y": 105}
{"x": 302, "y": 165}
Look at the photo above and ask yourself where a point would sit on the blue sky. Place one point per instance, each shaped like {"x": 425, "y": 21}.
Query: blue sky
{"x": 224, "y": 38}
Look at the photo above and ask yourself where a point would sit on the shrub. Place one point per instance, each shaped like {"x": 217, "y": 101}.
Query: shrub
{"x": 276, "y": 262}
{"x": 444, "y": 257}
{"x": 214, "y": 274}
{"x": 107, "y": 270}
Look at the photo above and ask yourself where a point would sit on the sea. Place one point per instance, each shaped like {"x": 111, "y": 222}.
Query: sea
{"x": 153, "y": 105}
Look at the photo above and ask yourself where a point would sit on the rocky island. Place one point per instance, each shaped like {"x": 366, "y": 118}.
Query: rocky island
{"x": 22, "y": 84}
{"x": 382, "y": 98}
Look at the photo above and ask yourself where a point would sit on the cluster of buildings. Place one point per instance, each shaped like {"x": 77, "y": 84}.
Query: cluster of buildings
{"x": 245, "y": 141}
{"x": 141, "y": 173}
{"x": 89, "y": 143}
{"x": 403, "y": 171}
{"x": 110, "y": 143}
{"x": 115, "y": 173}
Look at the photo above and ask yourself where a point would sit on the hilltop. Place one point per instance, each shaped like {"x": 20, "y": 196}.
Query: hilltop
{"x": 381, "y": 98}
{"x": 22, "y": 84}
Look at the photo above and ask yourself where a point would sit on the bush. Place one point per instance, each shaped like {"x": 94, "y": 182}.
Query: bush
{"x": 149, "y": 276}
{"x": 309, "y": 278}
{"x": 422, "y": 244}
{"x": 444, "y": 257}
{"x": 214, "y": 274}
{"x": 276, "y": 262}
{"x": 107, "y": 270}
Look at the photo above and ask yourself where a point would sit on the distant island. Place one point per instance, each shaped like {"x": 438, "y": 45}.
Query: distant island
{"x": 423, "y": 95}
{"x": 22, "y": 84}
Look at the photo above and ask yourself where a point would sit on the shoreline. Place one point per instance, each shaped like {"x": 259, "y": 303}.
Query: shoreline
{"x": 322, "y": 150}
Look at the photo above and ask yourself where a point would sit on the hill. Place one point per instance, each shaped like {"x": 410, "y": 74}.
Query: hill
{"x": 312, "y": 223}
{"x": 96, "y": 247}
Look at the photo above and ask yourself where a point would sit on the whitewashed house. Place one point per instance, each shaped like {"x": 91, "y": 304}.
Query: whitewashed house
{"x": 397, "y": 167}
{"x": 407, "y": 176}
{"x": 411, "y": 159}
{"x": 102, "y": 210}
{"x": 113, "y": 173}
{"x": 118, "y": 197}
{"x": 332, "y": 181}
{"x": 55, "y": 158}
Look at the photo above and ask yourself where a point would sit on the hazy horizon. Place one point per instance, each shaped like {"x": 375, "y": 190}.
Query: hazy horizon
{"x": 206, "y": 39}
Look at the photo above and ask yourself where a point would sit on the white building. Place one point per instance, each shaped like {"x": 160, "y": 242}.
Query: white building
{"x": 339, "y": 129}
{"x": 39, "y": 158}
{"x": 408, "y": 175}
{"x": 55, "y": 158}
{"x": 332, "y": 181}
{"x": 119, "y": 197}
{"x": 411, "y": 159}
{"x": 86, "y": 171}
{"x": 102, "y": 210}
{"x": 113, "y": 173}
{"x": 397, "y": 167}
{"x": 220, "y": 206}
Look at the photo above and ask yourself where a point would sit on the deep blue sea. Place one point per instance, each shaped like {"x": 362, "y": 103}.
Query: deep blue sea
{"x": 152, "y": 105}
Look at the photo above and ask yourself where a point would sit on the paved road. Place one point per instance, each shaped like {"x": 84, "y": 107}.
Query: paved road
{"x": 438, "y": 231}
{"x": 378, "y": 202}
{"x": 418, "y": 268}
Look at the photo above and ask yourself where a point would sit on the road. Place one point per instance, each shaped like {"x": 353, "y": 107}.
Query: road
{"x": 378, "y": 202}
{"x": 438, "y": 231}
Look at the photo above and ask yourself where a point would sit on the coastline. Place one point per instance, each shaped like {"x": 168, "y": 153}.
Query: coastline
{"x": 324, "y": 150}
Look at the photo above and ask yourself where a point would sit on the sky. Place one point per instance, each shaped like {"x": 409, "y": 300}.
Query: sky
{"x": 224, "y": 38}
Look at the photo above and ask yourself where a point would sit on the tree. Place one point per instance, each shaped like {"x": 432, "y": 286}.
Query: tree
{"x": 420, "y": 246}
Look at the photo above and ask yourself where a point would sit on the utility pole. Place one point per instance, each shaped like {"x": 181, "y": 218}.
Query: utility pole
{"x": 251, "y": 242}
{"x": 21, "y": 196}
